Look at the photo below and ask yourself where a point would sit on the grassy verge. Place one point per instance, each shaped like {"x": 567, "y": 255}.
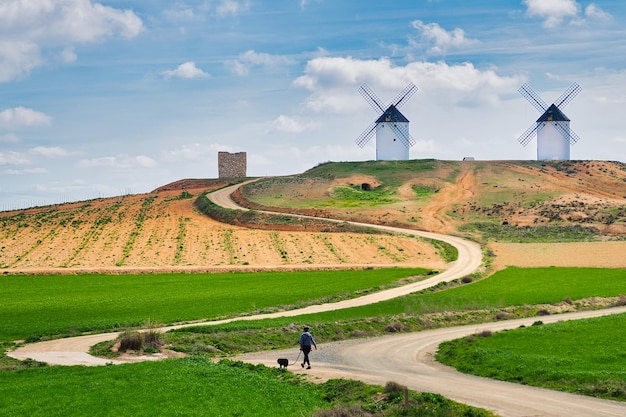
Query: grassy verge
{"x": 36, "y": 306}
{"x": 197, "y": 387}
{"x": 583, "y": 356}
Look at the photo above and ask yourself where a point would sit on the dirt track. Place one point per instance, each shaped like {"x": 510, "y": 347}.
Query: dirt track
{"x": 406, "y": 359}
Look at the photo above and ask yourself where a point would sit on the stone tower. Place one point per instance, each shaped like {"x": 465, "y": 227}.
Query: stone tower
{"x": 231, "y": 165}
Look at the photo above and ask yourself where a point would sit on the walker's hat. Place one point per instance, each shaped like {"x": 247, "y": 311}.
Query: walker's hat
{"x": 306, "y": 328}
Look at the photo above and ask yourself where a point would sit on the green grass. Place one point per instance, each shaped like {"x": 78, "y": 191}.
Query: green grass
{"x": 356, "y": 197}
{"x": 508, "y": 288}
{"x": 197, "y": 387}
{"x": 583, "y": 356}
{"x": 36, "y": 306}
{"x": 187, "y": 387}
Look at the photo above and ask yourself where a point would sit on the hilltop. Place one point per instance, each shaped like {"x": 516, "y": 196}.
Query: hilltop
{"x": 490, "y": 201}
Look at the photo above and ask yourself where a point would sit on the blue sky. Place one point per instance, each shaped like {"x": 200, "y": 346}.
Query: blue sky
{"x": 105, "y": 98}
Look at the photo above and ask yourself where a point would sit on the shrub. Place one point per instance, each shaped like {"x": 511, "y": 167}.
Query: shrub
{"x": 394, "y": 327}
{"x": 466, "y": 279}
{"x": 130, "y": 340}
{"x": 543, "y": 312}
{"x": 153, "y": 339}
{"x": 503, "y": 315}
{"x": 485, "y": 333}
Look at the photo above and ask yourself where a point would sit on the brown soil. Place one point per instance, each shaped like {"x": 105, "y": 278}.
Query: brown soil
{"x": 162, "y": 231}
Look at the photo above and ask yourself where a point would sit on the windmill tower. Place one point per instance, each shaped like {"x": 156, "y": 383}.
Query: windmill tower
{"x": 554, "y": 135}
{"x": 393, "y": 139}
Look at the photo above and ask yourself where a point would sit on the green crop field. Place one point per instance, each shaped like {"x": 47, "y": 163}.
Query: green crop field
{"x": 197, "y": 387}
{"x": 509, "y": 287}
{"x": 194, "y": 386}
{"x": 583, "y": 356}
{"x": 35, "y": 306}
{"x": 479, "y": 301}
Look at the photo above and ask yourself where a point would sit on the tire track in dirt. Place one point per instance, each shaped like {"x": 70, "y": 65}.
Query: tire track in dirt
{"x": 434, "y": 215}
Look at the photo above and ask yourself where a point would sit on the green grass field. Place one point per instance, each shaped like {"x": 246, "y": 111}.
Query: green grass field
{"x": 509, "y": 287}
{"x": 523, "y": 287}
{"x": 584, "y": 357}
{"x": 197, "y": 387}
{"x": 36, "y": 306}
{"x": 188, "y": 386}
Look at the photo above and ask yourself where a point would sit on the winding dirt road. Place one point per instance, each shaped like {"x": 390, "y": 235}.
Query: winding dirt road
{"x": 406, "y": 358}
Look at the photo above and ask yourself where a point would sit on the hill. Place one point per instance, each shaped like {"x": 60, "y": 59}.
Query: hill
{"x": 504, "y": 201}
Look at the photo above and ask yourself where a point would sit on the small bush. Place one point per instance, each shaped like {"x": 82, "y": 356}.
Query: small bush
{"x": 130, "y": 341}
{"x": 466, "y": 280}
{"x": 485, "y": 333}
{"x": 621, "y": 301}
{"x": 503, "y": 315}
{"x": 394, "y": 327}
{"x": 543, "y": 312}
{"x": 153, "y": 339}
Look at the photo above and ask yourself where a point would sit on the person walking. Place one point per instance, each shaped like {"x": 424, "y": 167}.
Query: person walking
{"x": 306, "y": 340}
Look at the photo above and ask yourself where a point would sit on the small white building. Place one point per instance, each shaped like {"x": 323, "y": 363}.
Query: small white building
{"x": 553, "y": 135}
{"x": 392, "y": 131}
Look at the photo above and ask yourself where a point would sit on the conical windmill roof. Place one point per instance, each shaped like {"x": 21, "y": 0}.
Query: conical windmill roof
{"x": 553, "y": 114}
{"x": 392, "y": 114}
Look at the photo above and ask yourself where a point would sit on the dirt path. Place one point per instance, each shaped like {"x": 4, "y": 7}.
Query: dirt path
{"x": 406, "y": 358}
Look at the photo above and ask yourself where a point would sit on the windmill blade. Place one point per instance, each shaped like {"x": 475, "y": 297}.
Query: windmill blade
{"x": 402, "y": 135}
{"x": 404, "y": 95}
{"x": 570, "y": 135}
{"x": 372, "y": 99}
{"x": 533, "y": 98}
{"x": 568, "y": 95}
{"x": 366, "y": 135}
{"x": 528, "y": 135}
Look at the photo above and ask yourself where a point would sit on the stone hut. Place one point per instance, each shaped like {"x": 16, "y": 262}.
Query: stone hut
{"x": 231, "y": 165}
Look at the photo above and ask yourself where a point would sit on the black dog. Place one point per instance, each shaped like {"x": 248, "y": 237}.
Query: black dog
{"x": 282, "y": 362}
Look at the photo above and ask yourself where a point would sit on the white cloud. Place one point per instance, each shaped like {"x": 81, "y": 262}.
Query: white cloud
{"x": 441, "y": 39}
{"x": 592, "y": 11}
{"x": 9, "y": 138}
{"x": 12, "y": 158}
{"x": 179, "y": 12}
{"x": 195, "y": 152}
{"x": 249, "y": 59}
{"x": 28, "y": 27}
{"x": 22, "y": 117}
{"x": 187, "y": 70}
{"x": 120, "y": 161}
{"x": 49, "y": 152}
{"x": 334, "y": 81}
{"x": 288, "y": 124}
{"x": 232, "y": 7}
{"x": 68, "y": 55}
{"x": 553, "y": 12}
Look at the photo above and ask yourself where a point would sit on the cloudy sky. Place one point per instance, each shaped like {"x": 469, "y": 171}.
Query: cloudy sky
{"x": 108, "y": 97}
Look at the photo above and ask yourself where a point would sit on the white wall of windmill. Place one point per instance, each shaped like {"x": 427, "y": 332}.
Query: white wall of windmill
{"x": 389, "y": 147}
{"x": 551, "y": 143}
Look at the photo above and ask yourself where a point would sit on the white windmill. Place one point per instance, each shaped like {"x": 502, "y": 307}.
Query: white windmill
{"x": 393, "y": 139}
{"x": 554, "y": 135}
